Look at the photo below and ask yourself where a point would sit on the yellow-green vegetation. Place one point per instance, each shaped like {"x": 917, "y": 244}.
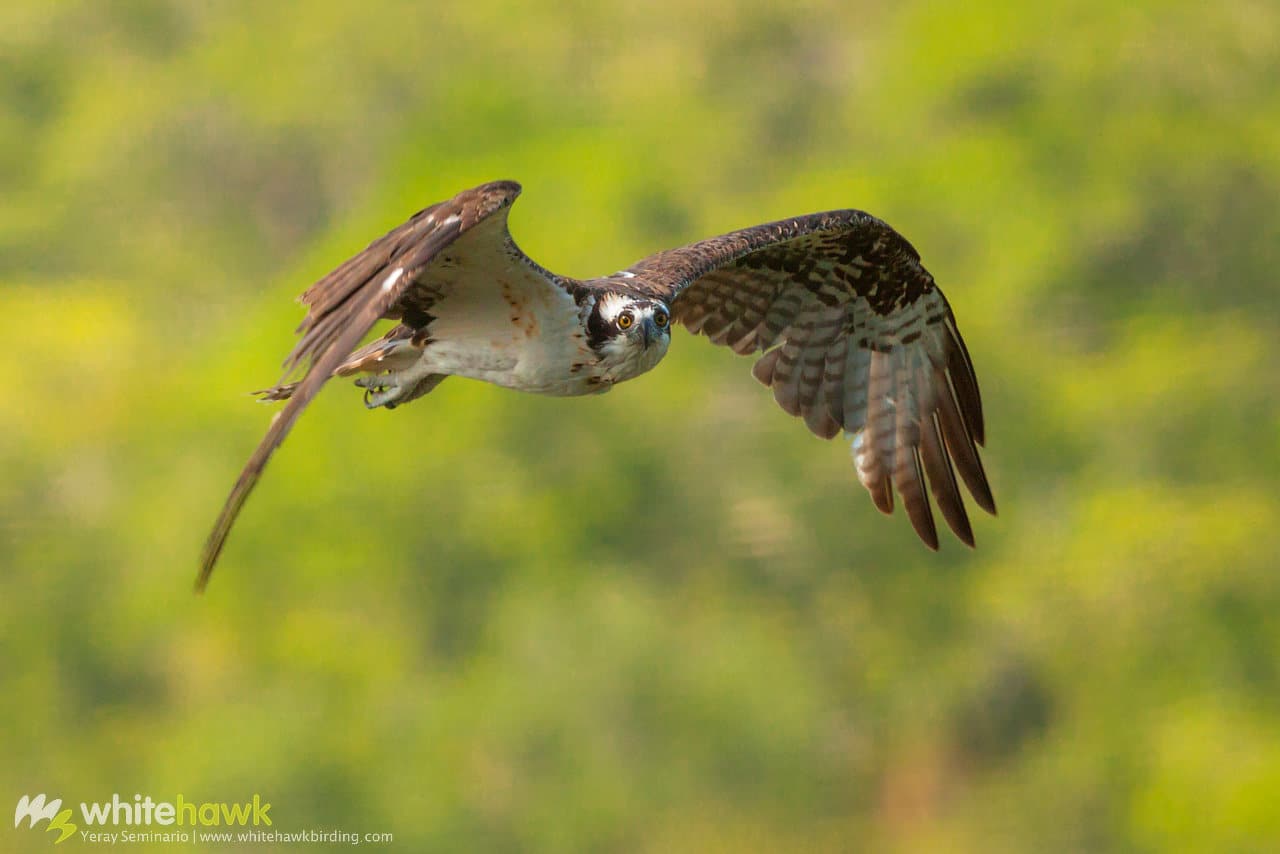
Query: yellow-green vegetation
{"x": 666, "y": 619}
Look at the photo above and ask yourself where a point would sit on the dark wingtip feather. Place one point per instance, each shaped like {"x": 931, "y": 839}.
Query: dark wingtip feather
{"x": 917, "y": 505}
{"x": 363, "y": 316}
{"x": 982, "y": 492}
{"x": 249, "y": 476}
{"x": 965, "y": 382}
{"x": 882, "y": 495}
{"x": 960, "y": 443}
{"x": 942, "y": 480}
{"x": 764, "y": 367}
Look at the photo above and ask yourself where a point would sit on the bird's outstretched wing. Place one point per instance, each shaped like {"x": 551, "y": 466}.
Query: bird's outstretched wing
{"x": 392, "y": 278}
{"x": 855, "y": 335}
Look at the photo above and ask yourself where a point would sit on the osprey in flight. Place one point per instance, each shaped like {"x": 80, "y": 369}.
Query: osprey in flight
{"x": 853, "y": 332}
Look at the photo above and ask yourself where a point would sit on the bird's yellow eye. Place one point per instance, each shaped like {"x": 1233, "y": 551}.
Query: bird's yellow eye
{"x": 660, "y": 319}
{"x": 625, "y": 320}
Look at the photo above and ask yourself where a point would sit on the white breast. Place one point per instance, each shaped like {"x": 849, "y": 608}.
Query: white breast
{"x": 509, "y": 326}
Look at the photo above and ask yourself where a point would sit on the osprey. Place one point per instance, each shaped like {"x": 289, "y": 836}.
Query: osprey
{"x": 854, "y": 336}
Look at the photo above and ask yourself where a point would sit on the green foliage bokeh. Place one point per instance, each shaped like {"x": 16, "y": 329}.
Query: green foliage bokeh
{"x": 666, "y": 618}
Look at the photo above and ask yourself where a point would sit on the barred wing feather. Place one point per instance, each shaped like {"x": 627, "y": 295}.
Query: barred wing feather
{"x": 854, "y": 335}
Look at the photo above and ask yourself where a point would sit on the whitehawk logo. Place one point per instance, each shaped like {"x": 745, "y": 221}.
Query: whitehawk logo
{"x": 36, "y": 810}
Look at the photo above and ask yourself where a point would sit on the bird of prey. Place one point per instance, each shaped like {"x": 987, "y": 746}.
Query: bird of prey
{"x": 853, "y": 335}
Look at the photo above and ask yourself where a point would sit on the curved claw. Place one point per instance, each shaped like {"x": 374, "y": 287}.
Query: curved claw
{"x": 380, "y": 390}
{"x": 388, "y": 389}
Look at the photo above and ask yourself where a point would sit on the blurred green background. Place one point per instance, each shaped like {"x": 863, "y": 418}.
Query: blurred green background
{"x": 667, "y": 619}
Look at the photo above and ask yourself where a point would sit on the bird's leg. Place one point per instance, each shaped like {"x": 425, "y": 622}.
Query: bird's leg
{"x": 380, "y": 389}
{"x": 392, "y": 387}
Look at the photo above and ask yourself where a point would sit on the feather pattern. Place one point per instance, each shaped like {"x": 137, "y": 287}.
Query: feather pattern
{"x": 851, "y": 331}
{"x": 389, "y": 279}
{"x": 853, "y": 334}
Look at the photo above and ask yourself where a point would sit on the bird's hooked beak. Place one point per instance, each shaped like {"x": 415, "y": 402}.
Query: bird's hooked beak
{"x": 650, "y": 331}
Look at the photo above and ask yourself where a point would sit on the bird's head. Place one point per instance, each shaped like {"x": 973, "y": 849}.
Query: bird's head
{"x": 625, "y": 328}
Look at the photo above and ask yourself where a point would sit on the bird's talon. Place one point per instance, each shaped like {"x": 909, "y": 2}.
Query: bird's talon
{"x": 380, "y": 390}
